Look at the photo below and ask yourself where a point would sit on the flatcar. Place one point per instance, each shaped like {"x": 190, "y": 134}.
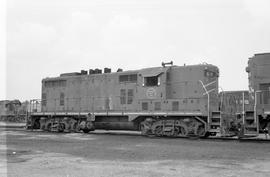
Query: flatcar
{"x": 164, "y": 101}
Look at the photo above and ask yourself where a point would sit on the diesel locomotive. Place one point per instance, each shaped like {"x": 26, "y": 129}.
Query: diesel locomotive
{"x": 259, "y": 87}
{"x": 164, "y": 101}
{"x": 251, "y": 107}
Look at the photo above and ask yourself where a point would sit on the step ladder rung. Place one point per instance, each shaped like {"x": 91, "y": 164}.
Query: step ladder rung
{"x": 249, "y": 133}
{"x": 215, "y": 120}
{"x": 250, "y": 112}
{"x": 249, "y": 118}
{"x": 167, "y": 129}
{"x": 217, "y": 117}
{"x": 250, "y": 126}
{"x": 215, "y": 123}
{"x": 214, "y": 130}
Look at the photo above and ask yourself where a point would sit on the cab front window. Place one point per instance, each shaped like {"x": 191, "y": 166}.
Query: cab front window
{"x": 210, "y": 74}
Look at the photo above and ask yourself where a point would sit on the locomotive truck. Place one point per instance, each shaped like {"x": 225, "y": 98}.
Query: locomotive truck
{"x": 164, "y": 101}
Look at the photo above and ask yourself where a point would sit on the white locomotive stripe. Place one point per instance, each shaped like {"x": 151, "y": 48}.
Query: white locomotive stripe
{"x": 266, "y": 112}
{"x": 118, "y": 113}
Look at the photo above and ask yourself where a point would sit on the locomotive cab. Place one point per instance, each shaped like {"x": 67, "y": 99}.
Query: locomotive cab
{"x": 151, "y": 89}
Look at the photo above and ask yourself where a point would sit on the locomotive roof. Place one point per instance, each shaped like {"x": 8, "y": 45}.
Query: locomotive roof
{"x": 146, "y": 72}
{"x": 259, "y": 59}
{"x": 257, "y": 54}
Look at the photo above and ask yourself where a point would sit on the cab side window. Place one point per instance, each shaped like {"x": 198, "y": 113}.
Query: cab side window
{"x": 44, "y": 99}
{"x": 151, "y": 81}
{"x": 62, "y": 99}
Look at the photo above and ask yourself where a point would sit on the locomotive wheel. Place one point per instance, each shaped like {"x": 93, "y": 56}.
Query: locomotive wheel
{"x": 42, "y": 123}
{"x": 200, "y": 131}
{"x": 67, "y": 125}
{"x": 90, "y": 125}
{"x": 143, "y": 130}
{"x": 61, "y": 127}
{"x": 159, "y": 131}
{"x": 206, "y": 135}
{"x": 176, "y": 131}
{"x": 49, "y": 127}
{"x": 36, "y": 124}
{"x": 86, "y": 130}
{"x": 268, "y": 126}
{"x": 183, "y": 131}
{"x": 75, "y": 127}
{"x": 42, "y": 127}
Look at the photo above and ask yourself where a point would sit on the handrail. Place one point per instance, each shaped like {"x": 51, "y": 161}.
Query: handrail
{"x": 243, "y": 108}
{"x": 255, "y": 110}
{"x": 210, "y": 83}
{"x": 222, "y": 98}
{"x": 208, "y": 102}
{"x": 208, "y": 97}
{"x": 255, "y": 105}
{"x": 221, "y": 106}
{"x": 37, "y": 103}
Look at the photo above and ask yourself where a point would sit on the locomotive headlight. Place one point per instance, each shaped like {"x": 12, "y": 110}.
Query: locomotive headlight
{"x": 247, "y": 69}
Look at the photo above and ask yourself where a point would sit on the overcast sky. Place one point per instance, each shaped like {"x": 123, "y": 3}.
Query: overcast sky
{"x": 49, "y": 37}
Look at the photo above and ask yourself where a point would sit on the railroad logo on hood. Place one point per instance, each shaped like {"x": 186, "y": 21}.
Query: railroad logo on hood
{"x": 151, "y": 93}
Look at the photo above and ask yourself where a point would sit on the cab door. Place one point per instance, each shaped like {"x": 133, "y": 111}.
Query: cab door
{"x": 151, "y": 89}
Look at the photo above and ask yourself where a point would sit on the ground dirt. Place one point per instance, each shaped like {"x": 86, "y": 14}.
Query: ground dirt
{"x": 110, "y": 154}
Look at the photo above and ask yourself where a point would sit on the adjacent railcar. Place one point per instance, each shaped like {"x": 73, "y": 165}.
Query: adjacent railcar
{"x": 258, "y": 70}
{"x": 251, "y": 108}
{"x": 164, "y": 101}
{"x": 11, "y": 110}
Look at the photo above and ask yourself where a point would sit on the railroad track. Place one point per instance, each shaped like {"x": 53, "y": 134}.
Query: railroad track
{"x": 135, "y": 133}
{"x": 260, "y": 138}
